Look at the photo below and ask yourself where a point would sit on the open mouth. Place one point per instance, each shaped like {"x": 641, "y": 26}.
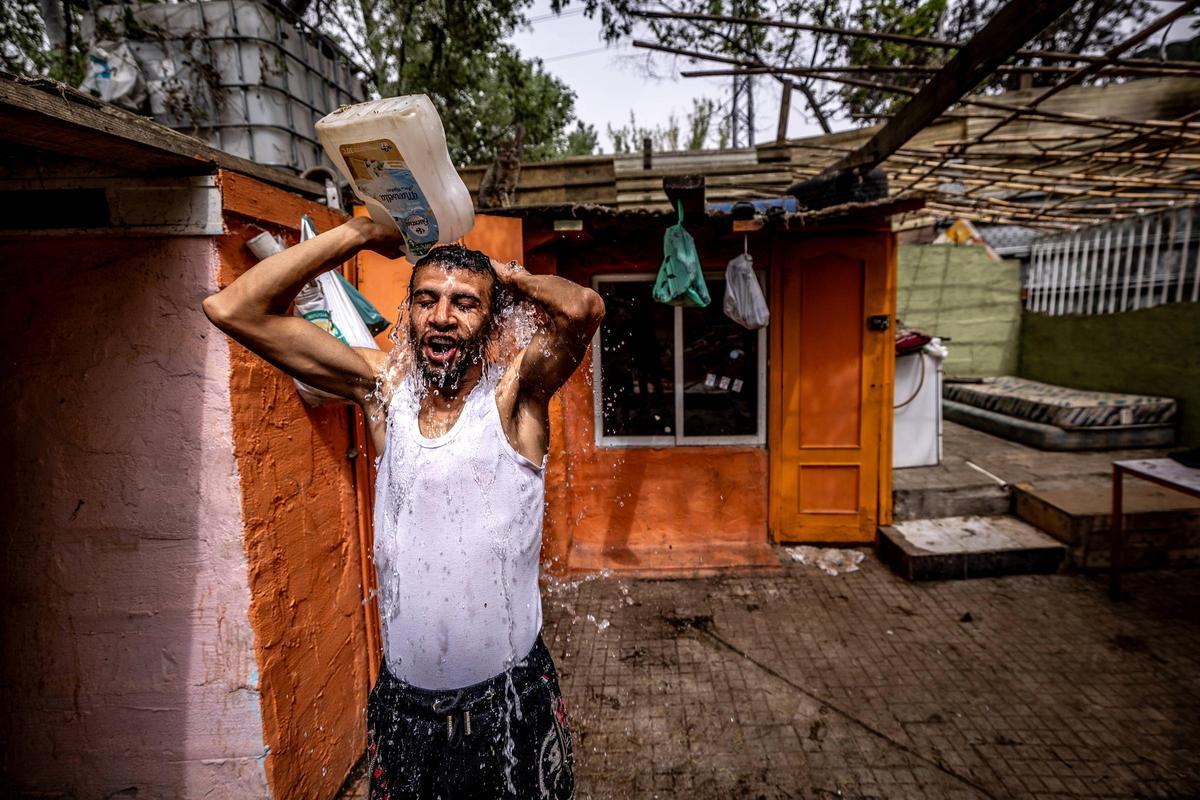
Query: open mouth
{"x": 440, "y": 350}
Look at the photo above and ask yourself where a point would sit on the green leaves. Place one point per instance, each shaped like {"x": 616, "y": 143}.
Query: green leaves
{"x": 454, "y": 51}
{"x": 26, "y": 49}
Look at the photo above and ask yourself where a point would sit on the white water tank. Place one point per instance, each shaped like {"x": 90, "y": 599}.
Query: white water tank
{"x": 244, "y": 76}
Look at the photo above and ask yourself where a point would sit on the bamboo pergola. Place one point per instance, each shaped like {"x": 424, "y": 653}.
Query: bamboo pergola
{"x": 1035, "y": 160}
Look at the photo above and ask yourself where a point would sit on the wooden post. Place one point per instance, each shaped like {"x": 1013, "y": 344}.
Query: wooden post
{"x": 1115, "y": 535}
{"x": 647, "y": 152}
{"x": 686, "y": 188}
{"x": 785, "y": 109}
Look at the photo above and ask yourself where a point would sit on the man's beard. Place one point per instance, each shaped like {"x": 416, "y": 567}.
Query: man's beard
{"x": 450, "y": 375}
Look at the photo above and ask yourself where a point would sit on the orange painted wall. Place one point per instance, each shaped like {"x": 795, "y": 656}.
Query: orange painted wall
{"x": 301, "y": 538}
{"x": 643, "y": 510}
{"x": 646, "y": 509}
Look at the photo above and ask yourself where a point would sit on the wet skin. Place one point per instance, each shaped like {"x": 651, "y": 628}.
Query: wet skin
{"x": 450, "y": 307}
{"x": 449, "y": 321}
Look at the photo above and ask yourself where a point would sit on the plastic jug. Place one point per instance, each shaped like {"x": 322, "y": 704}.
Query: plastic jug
{"x": 393, "y": 153}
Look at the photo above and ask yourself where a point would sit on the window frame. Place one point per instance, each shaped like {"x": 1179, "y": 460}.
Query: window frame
{"x": 679, "y": 439}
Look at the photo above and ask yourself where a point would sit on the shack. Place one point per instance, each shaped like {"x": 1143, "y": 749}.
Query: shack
{"x": 687, "y": 443}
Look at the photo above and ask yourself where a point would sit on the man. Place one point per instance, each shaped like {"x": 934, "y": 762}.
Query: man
{"x": 467, "y": 704}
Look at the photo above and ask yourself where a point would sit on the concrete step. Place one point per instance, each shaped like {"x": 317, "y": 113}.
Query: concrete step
{"x": 1162, "y": 527}
{"x": 980, "y": 499}
{"x": 967, "y": 547}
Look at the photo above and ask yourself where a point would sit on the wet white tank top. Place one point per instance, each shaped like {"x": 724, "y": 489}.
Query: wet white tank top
{"x": 458, "y": 531}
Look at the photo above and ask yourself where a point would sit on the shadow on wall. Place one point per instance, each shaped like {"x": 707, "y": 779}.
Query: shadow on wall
{"x": 128, "y": 664}
{"x": 1153, "y": 351}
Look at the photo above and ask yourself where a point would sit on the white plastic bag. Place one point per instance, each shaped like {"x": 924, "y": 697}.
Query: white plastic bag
{"x": 324, "y": 302}
{"x": 329, "y": 308}
{"x": 744, "y": 302}
{"x": 115, "y": 76}
{"x": 341, "y": 309}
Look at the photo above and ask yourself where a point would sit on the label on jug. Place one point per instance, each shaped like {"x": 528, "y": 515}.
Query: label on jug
{"x": 379, "y": 171}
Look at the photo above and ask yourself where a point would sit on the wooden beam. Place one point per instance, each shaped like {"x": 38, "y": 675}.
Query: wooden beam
{"x": 1013, "y": 25}
{"x": 54, "y": 117}
{"x": 1027, "y": 112}
{"x": 261, "y": 202}
{"x": 900, "y": 38}
{"x": 922, "y": 70}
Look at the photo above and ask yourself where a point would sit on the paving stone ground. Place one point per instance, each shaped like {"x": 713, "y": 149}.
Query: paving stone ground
{"x": 861, "y": 685}
{"x": 806, "y": 685}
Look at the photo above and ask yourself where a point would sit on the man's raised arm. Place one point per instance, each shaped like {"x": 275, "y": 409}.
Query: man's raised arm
{"x": 254, "y": 310}
{"x": 574, "y": 313}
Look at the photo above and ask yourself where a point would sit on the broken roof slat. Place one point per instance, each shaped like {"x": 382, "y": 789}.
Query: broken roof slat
{"x": 51, "y": 116}
{"x": 885, "y": 207}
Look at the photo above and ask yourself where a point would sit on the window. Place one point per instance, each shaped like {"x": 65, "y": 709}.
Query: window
{"x": 665, "y": 375}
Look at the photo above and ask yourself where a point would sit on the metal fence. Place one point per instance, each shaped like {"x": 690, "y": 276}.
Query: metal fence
{"x": 1139, "y": 262}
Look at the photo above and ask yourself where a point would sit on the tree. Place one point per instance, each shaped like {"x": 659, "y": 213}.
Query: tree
{"x": 700, "y": 122}
{"x": 1091, "y": 26}
{"x": 454, "y": 51}
{"x": 774, "y": 46}
{"x": 907, "y": 17}
{"x": 628, "y": 138}
{"x": 27, "y": 48}
{"x": 583, "y": 141}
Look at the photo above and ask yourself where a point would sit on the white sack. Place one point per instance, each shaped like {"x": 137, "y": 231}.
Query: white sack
{"x": 744, "y": 302}
{"x": 115, "y": 76}
{"x": 348, "y": 325}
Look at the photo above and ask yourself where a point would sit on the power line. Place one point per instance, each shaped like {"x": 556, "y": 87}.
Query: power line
{"x": 573, "y": 12}
{"x": 583, "y": 53}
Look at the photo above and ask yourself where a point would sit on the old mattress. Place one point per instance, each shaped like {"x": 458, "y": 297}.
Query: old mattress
{"x": 1069, "y": 409}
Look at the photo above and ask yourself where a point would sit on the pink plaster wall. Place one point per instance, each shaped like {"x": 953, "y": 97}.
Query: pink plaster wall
{"x": 128, "y": 661}
{"x": 305, "y": 566}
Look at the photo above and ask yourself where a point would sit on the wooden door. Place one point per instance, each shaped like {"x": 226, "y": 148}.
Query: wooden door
{"x": 830, "y": 387}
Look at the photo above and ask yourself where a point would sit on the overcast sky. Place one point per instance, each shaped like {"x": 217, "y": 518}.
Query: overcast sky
{"x": 609, "y": 82}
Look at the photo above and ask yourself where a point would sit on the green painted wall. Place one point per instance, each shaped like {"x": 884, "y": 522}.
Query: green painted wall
{"x": 956, "y": 291}
{"x": 1154, "y": 351}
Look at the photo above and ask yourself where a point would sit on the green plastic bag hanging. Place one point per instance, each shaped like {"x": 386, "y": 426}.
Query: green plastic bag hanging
{"x": 680, "y": 278}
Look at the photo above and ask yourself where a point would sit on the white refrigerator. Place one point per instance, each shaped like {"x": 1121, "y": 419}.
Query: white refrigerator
{"x": 917, "y": 429}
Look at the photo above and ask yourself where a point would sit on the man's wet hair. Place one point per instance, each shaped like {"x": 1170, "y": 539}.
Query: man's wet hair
{"x": 455, "y": 256}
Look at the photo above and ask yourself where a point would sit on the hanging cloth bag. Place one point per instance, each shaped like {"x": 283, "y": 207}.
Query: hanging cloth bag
{"x": 680, "y": 280}
{"x": 744, "y": 301}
